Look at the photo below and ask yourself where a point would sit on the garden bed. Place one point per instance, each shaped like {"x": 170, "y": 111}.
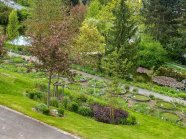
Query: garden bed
{"x": 140, "y": 98}
{"x": 170, "y": 116}
{"x": 165, "y": 105}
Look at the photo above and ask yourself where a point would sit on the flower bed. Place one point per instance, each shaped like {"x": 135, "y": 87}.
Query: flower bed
{"x": 140, "y": 98}
{"x": 165, "y": 105}
{"x": 168, "y": 81}
{"x": 169, "y": 116}
{"x": 108, "y": 114}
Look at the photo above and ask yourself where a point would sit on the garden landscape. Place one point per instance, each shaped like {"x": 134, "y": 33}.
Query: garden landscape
{"x": 92, "y": 69}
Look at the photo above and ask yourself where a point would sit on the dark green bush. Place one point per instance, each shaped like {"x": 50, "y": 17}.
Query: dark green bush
{"x": 146, "y": 56}
{"x": 34, "y": 94}
{"x": 60, "y": 111}
{"x": 135, "y": 90}
{"x": 152, "y": 97}
{"x": 54, "y": 102}
{"x": 42, "y": 108}
{"x": 73, "y": 106}
{"x": 131, "y": 120}
{"x": 127, "y": 88}
{"x": 85, "y": 111}
{"x": 182, "y": 95}
{"x": 41, "y": 86}
{"x": 81, "y": 98}
{"x": 66, "y": 100}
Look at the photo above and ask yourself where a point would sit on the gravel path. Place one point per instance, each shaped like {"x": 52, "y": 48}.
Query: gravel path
{"x": 14, "y": 125}
{"x": 141, "y": 91}
{"x": 12, "y": 4}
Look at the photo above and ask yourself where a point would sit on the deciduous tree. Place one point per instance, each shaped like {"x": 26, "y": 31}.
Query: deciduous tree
{"x": 50, "y": 26}
{"x": 90, "y": 45}
{"x": 124, "y": 43}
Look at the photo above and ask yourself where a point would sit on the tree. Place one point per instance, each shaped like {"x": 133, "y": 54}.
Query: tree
{"x": 176, "y": 46}
{"x": 151, "y": 53}
{"x": 162, "y": 20}
{"x": 4, "y": 14}
{"x": 50, "y": 29}
{"x": 78, "y": 13}
{"x": 94, "y": 9}
{"x": 124, "y": 43}
{"x": 2, "y": 51}
{"x": 13, "y": 25}
{"x": 90, "y": 45}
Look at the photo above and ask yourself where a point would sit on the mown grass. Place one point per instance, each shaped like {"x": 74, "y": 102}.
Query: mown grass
{"x": 13, "y": 86}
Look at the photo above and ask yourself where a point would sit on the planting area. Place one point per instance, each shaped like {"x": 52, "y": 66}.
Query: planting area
{"x": 22, "y": 97}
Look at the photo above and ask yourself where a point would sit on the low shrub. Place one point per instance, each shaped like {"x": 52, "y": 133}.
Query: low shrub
{"x": 142, "y": 108}
{"x": 60, "y": 111}
{"x": 73, "y": 106}
{"x": 81, "y": 98}
{"x": 85, "y": 111}
{"x": 41, "y": 86}
{"x": 127, "y": 88}
{"x": 65, "y": 101}
{"x": 108, "y": 114}
{"x": 152, "y": 97}
{"x": 182, "y": 95}
{"x": 34, "y": 94}
{"x": 135, "y": 90}
{"x": 131, "y": 120}
{"x": 42, "y": 108}
{"x": 165, "y": 71}
{"x": 54, "y": 102}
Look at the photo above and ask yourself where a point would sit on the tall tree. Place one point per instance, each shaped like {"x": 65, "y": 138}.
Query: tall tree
{"x": 90, "y": 45}
{"x": 124, "y": 42}
{"x": 4, "y": 14}
{"x": 13, "y": 25}
{"x": 50, "y": 28}
{"x": 162, "y": 20}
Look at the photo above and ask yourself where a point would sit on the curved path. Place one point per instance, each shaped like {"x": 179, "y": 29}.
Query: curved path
{"x": 141, "y": 91}
{"x": 14, "y": 125}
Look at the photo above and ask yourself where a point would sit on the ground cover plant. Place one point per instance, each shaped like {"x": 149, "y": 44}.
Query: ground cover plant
{"x": 141, "y": 98}
{"x": 165, "y": 105}
{"x": 16, "y": 99}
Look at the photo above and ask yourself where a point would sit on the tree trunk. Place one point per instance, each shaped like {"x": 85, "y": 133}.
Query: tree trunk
{"x": 49, "y": 83}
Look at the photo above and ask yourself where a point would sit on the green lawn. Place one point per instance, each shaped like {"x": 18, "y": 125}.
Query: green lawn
{"x": 13, "y": 86}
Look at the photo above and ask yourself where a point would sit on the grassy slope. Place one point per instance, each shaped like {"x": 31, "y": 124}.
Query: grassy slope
{"x": 12, "y": 87}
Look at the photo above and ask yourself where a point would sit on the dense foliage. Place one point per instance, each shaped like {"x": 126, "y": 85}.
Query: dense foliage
{"x": 151, "y": 53}
{"x": 165, "y": 21}
{"x": 13, "y": 25}
{"x": 109, "y": 114}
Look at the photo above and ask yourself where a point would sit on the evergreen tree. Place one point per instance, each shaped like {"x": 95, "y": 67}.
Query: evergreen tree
{"x": 124, "y": 43}
{"x": 161, "y": 18}
{"x": 13, "y": 25}
{"x": 164, "y": 20}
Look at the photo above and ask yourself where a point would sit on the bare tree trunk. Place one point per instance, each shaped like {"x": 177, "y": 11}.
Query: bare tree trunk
{"x": 49, "y": 83}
